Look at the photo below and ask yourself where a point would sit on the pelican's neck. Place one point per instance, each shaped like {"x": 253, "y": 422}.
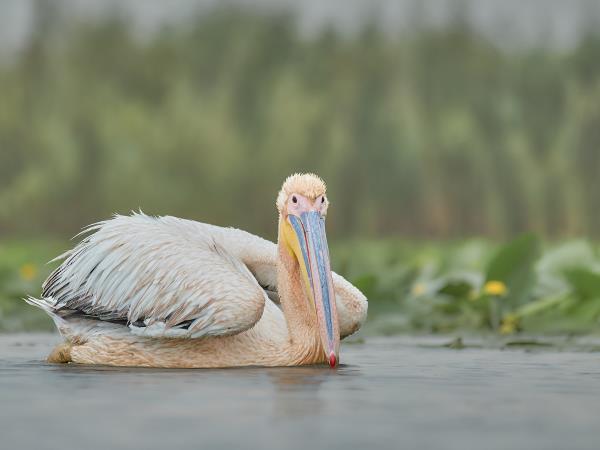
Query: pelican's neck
{"x": 305, "y": 343}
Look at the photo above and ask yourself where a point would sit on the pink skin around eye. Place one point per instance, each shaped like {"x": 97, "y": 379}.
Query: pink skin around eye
{"x": 304, "y": 204}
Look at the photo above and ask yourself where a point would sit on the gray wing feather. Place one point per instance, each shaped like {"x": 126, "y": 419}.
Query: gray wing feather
{"x": 162, "y": 276}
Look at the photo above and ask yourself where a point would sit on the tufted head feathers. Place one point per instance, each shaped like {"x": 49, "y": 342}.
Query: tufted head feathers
{"x": 308, "y": 185}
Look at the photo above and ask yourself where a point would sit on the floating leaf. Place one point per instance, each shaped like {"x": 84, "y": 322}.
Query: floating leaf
{"x": 584, "y": 282}
{"x": 513, "y": 265}
{"x": 457, "y": 289}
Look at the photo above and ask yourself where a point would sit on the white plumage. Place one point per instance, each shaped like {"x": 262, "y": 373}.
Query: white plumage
{"x": 135, "y": 282}
{"x": 163, "y": 276}
{"x": 167, "y": 271}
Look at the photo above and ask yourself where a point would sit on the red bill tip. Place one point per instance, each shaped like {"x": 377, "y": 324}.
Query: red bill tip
{"x": 332, "y": 360}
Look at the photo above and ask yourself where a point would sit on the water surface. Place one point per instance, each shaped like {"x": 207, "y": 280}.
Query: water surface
{"x": 389, "y": 393}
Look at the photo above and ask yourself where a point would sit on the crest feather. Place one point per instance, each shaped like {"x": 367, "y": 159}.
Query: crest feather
{"x": 307, "y": 184}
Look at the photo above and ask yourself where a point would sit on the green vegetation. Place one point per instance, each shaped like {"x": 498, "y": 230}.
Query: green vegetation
{"x": 434, "y": 133}
{"x": 425, "y": 287}
{"x": 23, "y": 268}
{"x": 476, "y": 285}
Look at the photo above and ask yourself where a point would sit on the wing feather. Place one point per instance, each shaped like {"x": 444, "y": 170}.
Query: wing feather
{"x": 163, "y": 276}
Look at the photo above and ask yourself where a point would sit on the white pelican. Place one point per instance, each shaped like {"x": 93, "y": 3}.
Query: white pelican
{"x": 169, "y": 292}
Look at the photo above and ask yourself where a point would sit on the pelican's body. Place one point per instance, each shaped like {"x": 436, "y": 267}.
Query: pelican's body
{"x": 169, "y": 292}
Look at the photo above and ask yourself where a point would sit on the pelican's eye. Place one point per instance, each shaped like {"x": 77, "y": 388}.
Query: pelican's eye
{"x": 294, "y": 199}
{"x": 323, "y": 199}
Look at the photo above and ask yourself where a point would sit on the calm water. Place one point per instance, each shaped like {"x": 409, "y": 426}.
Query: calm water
{"x": 390, "y": 393}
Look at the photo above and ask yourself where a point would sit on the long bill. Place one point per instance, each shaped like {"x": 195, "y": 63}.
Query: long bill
{"x": 309, "y": 227}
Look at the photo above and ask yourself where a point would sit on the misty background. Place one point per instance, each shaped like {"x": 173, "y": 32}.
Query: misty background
{"x": 430, "y": 119}
{"x": 459, "y": 141}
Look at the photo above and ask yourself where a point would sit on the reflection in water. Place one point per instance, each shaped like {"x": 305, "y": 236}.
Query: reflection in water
{"x": 297, "y": 392}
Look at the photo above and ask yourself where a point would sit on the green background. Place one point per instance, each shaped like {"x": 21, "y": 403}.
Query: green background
{"x": 450, "y": 160}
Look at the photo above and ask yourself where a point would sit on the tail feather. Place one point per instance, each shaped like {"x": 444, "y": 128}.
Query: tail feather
{"x": 62, "y": 353}
{"x": 74, "y": 327}
{"x": 48, "y": 305}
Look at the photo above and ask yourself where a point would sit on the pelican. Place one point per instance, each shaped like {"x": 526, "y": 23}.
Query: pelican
{"x": 169, "y": 292}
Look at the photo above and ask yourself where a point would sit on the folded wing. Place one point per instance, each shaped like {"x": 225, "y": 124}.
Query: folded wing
{"x": 162, "y": 277}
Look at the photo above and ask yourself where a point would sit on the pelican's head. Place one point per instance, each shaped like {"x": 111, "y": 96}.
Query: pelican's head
{"x": 302, "y": 205}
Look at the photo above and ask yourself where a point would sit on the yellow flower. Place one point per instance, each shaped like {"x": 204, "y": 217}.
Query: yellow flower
{"x": 494, "y": 287}
{"x": 509, "y": 324}
{"x": 28, "y": 272}
{"x": 418, "y": 289}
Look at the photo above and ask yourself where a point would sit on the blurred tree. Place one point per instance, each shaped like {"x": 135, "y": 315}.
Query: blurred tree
{"x": 436, "y": 132}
